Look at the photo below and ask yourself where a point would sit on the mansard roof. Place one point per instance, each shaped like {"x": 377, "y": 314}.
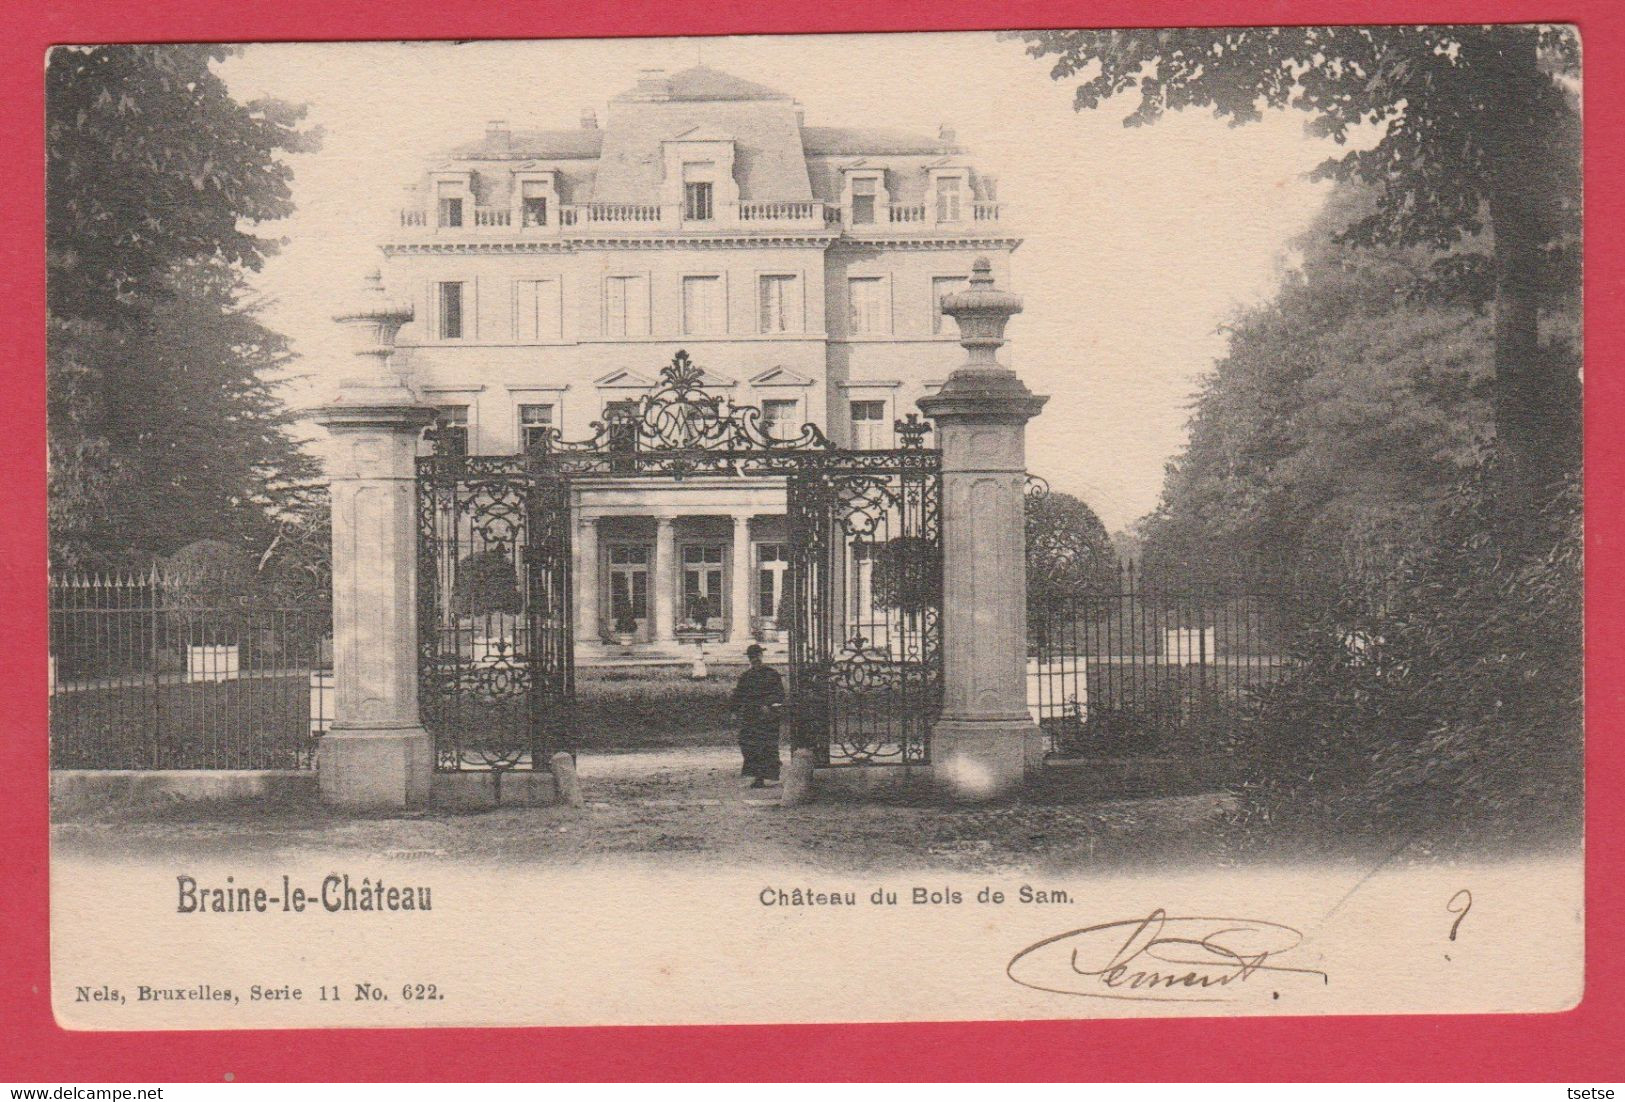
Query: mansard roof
{"x": 850, "y": 141}
{"x": 768, "y": 161}
{"x": 538, "y": 145}
{"x": 775, "y": 156}
{"x": 703, "y": 83}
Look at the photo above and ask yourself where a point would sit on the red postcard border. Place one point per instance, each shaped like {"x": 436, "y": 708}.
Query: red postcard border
{"x": 1583, "y": 1044}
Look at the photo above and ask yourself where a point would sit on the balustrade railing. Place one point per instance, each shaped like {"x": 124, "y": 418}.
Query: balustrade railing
{"x": 622, "y": 212}
{"x": 651, "y": 215}
{"x": 777, "y": 211}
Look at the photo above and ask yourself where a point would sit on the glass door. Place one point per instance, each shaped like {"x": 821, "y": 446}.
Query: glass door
{"x": 627, "y": 614}
{"x": 771, "y": 563}
{"x": 702, "y": 586}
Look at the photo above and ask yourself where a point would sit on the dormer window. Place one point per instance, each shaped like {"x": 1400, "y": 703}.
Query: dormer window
{"x": 949, "y": 194}
{"x": 535, "y": 197}
{"x": 697, "y": 202}
{"x": 451, "y": 211}
{"x": 699, "y": 191}
{"x": 864, "y": 189}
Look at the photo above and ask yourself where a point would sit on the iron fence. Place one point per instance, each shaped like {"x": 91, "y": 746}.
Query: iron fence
{"x": 1134, "y": 667}
{"x": 151, "y": 671}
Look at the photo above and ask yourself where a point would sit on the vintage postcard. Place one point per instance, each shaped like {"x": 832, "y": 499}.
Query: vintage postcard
{"x": 904, "y": 527}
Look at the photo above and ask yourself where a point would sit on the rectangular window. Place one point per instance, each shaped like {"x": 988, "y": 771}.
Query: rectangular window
{"x": 621, "y": 418}
{"x": 702, "y": 584}
{"x": 778, "y": 304}
{"x": 535, "y": 423}
{"x": 870, "y": 306}
{"x": 771, "y": 563}
{"x": 940, "y": 286}
{"x": 534, "y": 211}
{"x": 451, "y": 311}
{"x": 869, "y": 429}
{"x": 451, "y": 431}
{"x": 703, "y": 310}
{"x": 628, "y": 586}
{"x": 451, "y": 211}
{"x": 626, "y": 306}
{"x": 538, "y": 310}
{"x": 779, "y": 418}
{"x": 864, "y": 190}
{"x": 697, "y": 202}
{"x": 948, "y": 188}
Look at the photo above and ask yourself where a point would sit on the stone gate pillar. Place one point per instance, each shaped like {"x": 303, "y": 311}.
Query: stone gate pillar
{"x": 376, "y": 754}
{"x": 985, "y": 741}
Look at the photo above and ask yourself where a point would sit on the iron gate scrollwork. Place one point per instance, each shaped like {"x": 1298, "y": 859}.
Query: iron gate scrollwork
{"x": 495, "y": 663}
{"x": 866, "y": 604}
{"x": 495, "y": 616}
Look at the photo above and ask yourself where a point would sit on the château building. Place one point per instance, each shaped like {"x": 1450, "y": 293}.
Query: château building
{"x": 553, "y": 274}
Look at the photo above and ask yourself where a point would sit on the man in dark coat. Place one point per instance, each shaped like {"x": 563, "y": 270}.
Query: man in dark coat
{"x": 757, "y": 700}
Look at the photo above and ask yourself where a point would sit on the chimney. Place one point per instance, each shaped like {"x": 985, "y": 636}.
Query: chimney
{"x": 497, "y": 134}
{"x": 589, "y": 119}
{"x": 945, "y": 134}
{"x": 801, "y": 115}
{"x": 653, "y": 80}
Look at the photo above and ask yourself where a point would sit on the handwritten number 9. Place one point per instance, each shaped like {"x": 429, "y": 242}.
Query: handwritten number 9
{"x": 1459, "y": 905}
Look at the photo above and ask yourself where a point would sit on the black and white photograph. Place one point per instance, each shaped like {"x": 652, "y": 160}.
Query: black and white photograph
{"x": 876, "y": 527}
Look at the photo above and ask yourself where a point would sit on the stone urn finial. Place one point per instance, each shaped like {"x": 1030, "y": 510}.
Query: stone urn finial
{"x": 982, "y": 312}
{"x": 982, "y": 387}
{"x": 374, "y": 320}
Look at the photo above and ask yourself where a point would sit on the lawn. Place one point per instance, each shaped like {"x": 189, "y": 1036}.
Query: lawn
{"x": 653, "y": 708}
{"x": 263, "y": 722}
{"x": 260, "y": 722}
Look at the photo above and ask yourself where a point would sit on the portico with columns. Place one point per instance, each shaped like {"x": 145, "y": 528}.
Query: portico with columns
{"x": 698, "y": 560}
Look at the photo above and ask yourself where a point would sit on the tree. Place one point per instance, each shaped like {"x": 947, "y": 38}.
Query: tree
{"x": 1068, "y": 550}
{"x": 1478, "y": 133}
{"x": 169, "y": 429}
{"x": 907, "y": 573}
{"x": 487, "y": 585}
{"x": 1346, "y": 410}
{"x": 163, "y": 424}
{"x": 149, "y": 163}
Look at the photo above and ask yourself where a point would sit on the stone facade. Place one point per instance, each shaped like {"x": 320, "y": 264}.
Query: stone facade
{"x": 553, "y": 273}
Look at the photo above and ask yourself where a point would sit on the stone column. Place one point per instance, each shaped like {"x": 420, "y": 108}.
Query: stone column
{"x": 587, "y": 579}
{"x": 664, "y": 569}
{"x": 739, "y": 597}
{"x": 377, "y": 754}
{"x": 985, "y": 741}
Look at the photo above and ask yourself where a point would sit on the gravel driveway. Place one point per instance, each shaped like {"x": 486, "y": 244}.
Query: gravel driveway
{"x": 687, "y": 804}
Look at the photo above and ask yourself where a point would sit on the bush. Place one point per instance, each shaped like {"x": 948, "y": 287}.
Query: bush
{"x": 1445, "y": 700}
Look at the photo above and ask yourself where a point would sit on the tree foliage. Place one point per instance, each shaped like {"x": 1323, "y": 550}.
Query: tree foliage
{"x": 1345, "y": 411}
{"x": 164, "y": 427}
{"x": 1450, "y": 709}
{"x": 151, "y": 163}
{"x": 1479, "y": 131}
{"x": 486, "y": 585}
{"x": 1068, "y": 550}
{"x": 1340, "y": 455}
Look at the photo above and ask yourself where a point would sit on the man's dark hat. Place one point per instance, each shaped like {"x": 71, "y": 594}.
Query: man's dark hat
{"x": 754, "y": 648}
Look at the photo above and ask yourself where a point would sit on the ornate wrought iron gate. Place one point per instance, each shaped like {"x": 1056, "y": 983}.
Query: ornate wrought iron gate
{"x": 495, "y": 667}
{"x": 866, "y": 604}
{"x": 495, "y": 617}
